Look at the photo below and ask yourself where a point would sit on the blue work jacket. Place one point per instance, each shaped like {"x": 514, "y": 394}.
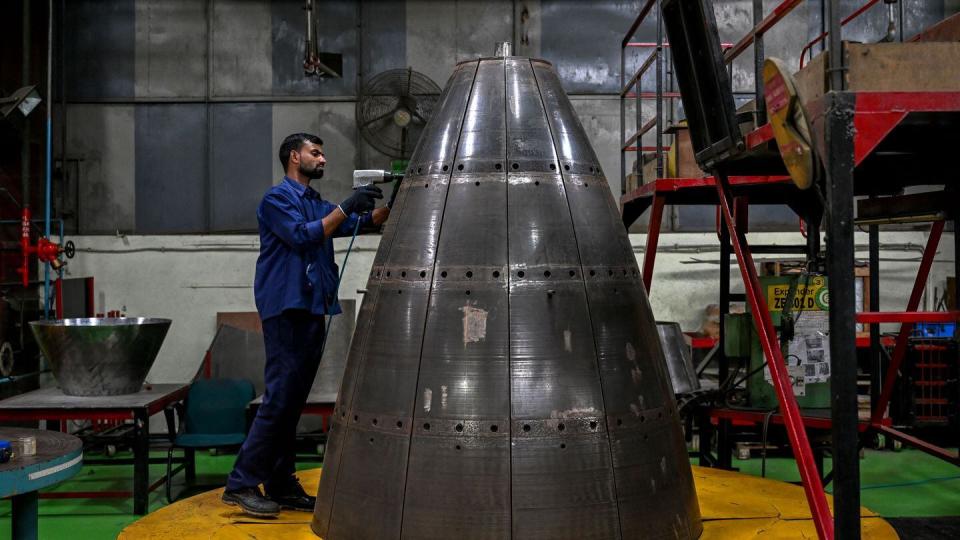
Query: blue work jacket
{"x": 295, "y": 269}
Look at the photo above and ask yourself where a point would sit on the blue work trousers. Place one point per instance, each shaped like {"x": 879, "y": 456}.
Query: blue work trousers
{"x": 293, "y": 341}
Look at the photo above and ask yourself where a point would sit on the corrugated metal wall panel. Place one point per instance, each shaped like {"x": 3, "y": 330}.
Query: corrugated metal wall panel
{"x": 101, "y": 140}
{"x": 99, "y": 48}
{"x": 130, "y": 50}
{"x": 241, "y": 162}
{"x": 242, "y": 52}
{"x": 171, "y": 168}
{"x": 584, "y": 46}
{"x": 171, "y": 48}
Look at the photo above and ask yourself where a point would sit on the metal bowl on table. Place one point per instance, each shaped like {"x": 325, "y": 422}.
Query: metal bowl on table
{"x": 101, "y": 356}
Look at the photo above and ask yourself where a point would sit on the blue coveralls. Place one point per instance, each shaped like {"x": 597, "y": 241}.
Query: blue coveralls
{"x": 294, "y": 287}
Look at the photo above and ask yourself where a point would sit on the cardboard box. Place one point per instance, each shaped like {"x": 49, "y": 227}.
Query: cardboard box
{"x": 681, "y": 162}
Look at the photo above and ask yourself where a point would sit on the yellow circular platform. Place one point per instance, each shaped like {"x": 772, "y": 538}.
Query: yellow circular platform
{"x": 734, "y": 506}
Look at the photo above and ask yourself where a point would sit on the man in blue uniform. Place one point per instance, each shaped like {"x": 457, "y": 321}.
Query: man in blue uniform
{"x": 295, "y": 288}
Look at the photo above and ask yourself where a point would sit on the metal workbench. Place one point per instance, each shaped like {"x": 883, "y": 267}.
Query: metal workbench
{"x": 51, "y": 404}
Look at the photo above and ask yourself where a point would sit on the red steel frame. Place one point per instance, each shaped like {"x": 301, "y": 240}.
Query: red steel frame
{"x": 876, "y": 115}
{"x": 796, "y": 432}
{"x": 791, "y": 417}
{"x": 907, "y": 320}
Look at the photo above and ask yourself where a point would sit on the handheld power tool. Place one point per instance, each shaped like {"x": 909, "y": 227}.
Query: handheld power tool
{"x": 365, "y": 177}
{"x": 362, "y": 177}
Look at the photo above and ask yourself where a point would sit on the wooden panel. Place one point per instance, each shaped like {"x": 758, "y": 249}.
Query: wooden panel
{"x": 903, "y": 67}
{"x": 887, "y": 67}
{"x": 811, "y": 80}
{"x": 244, "y": 320}
{"x": 945, "y": 30}
{"x": 686, "y": 165}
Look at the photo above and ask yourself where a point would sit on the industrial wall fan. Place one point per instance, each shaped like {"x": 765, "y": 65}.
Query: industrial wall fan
{"x": 393, "y": 109}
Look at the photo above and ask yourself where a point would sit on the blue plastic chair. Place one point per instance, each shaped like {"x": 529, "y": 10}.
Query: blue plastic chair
{"x": 214, "y": 415}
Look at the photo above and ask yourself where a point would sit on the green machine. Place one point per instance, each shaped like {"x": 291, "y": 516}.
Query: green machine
{"x": 804, "y": 337}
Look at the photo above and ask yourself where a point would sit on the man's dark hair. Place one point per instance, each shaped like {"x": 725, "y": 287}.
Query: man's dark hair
{"x": 293, "y": 143}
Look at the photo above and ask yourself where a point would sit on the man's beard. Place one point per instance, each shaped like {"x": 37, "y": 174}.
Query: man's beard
{"x": 312, "y": 174}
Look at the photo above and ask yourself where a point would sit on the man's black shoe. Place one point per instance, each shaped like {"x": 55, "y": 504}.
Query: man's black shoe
{"x": 295, "y": 498}
{"x": 252, "y": 502}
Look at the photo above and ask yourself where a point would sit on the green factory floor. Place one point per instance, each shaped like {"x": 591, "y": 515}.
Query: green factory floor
{"x": 895, "y": 484}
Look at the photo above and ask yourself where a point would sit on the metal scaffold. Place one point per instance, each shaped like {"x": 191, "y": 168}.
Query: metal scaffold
{"x": 857, "y": 135}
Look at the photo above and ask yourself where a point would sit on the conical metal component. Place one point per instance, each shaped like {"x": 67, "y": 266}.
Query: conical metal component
{"x": 100, "y": 357}
{"x": 506, "y": 379}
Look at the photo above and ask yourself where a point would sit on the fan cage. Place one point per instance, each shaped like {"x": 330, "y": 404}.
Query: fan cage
{"x": 380, "y": 99}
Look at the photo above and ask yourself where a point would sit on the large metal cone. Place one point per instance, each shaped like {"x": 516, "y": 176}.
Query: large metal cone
{"x": 100, "y": 357}
{"x": 506, "y": 379}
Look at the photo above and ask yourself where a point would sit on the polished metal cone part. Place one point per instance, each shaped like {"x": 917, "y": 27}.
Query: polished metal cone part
{"x": 100, "y": 356}
{"x": 506, "y": 379}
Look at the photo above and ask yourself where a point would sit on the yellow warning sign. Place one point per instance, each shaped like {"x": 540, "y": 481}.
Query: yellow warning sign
{"x": 811, "y": 294}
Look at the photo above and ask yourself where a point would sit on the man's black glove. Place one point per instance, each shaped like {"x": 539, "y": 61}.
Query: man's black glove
{"x": 362, "y": 200}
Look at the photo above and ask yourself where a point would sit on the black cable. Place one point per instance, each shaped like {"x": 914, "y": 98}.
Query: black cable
{"x": 752, "y": 372}
{"x": 763, "y": 447}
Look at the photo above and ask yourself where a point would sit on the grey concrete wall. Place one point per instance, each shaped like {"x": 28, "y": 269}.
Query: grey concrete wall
{"x": 102, "y": 138}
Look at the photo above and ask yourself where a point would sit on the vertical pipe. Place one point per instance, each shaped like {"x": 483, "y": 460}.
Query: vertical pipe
{"x": 25, "y": 80}
{"x": 63, "y": 111}
{"x": 311, "y": 46}
{"x": 813, "y": 238}
{"x": 823, "y": 27}
{"x": 209, "y": 185}
{"x": 670, "y": 89}
{"x": 360, "y": 156}
{"x": 835, "y": 38}
{"x": 623, "y": 124}
{"x": 956, "y": 279}
{"x": 761, "y": 104}
{"x": 659, "y": 66}
{"x": 876, "y": 355}
{"x": 638, "y": 144}
{"x": 723, "y": 428}
{"x": 956, "y": 257}
{"x": 900, "y": 9}
{"x": 840, "y": 268}
{"x": 48, "y": 161}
